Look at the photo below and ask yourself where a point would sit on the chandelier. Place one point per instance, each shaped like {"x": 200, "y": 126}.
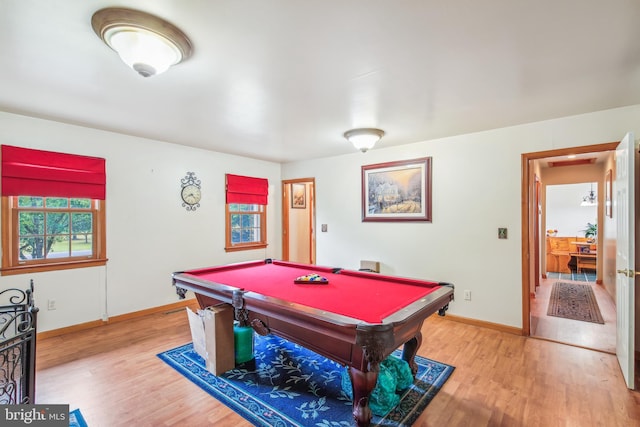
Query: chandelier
{"x": 590, "y": 199}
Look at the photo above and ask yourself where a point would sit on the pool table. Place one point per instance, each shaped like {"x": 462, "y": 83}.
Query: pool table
{"x": 354, "y": 318}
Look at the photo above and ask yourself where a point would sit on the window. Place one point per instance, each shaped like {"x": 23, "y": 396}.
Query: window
{"x": 246, "y": 226}
{"x": 53, "y": 211}
{"x": 246, "y": 213}
{"x": 50, "y": 233}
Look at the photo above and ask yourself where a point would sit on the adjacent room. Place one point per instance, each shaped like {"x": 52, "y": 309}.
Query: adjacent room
{"x": 364, "y": 213}
{"x": 584, "y": 311}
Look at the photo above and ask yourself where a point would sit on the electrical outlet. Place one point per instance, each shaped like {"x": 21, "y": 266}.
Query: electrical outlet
{"x": 467, "y": 295}
{"x": 51, "y": 304}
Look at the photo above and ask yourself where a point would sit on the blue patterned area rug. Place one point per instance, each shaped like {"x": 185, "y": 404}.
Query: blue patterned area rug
{"x": 292, "y": 386}
{"x": 76, "y": 419}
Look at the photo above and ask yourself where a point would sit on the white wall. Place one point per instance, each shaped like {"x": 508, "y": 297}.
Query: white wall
{"x": 149, "y": 233}
{"x": 476, "y": 189}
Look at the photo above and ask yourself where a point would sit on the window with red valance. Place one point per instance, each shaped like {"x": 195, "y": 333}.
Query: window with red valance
{"x": 247, "y": 190}
{"x": 53, "y": 210}
{"x": 246, "y": 216}
{"x": 28, "y": 172}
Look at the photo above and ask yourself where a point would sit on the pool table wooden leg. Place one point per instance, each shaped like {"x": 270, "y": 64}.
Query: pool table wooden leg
{"x": 375, "y": 341}
{"x": 362, "y": 384}
{"x": 410, "y": 350}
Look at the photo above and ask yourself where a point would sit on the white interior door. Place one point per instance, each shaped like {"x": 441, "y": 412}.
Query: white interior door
{"x": 625, "y": 254}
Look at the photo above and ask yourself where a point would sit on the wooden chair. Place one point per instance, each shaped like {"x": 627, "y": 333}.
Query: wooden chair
{"x": 558, "y": 258}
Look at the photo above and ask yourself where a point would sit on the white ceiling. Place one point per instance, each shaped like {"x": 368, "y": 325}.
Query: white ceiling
{"x": 282, "y": 80}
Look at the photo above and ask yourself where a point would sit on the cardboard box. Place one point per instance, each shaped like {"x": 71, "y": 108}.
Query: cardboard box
{"x": 212, "y": 334}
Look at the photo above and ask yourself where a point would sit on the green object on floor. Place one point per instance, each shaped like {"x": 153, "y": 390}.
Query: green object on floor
{"x": 243, "y": 343}
{"x": 394, "y": 376}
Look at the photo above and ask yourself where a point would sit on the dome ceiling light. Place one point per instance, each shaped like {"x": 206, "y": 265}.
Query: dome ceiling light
{"x": 364, "y": 138}
{"x": 146, "y": 43}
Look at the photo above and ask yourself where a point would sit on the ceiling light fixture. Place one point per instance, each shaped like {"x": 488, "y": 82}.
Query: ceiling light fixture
{"x": 364, "y": 138}
{"x": 146, "y": 43}
{"x": 590, "y": 199}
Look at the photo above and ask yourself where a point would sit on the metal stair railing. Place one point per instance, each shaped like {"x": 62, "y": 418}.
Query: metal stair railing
{"x": 18, "y": 320}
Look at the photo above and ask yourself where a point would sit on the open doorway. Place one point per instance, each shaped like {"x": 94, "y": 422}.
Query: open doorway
{"x": 298, "y": 220}
{"x": 571, "y": 229}
{"x": 545, "y": 170}
{"x": 569, "y": 266}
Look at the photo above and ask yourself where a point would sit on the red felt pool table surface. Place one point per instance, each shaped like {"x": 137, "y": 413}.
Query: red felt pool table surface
{"x": 377, "y": 296}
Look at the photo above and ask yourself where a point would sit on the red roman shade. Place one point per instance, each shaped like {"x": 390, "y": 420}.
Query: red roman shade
{"x": 28, "y": 172}
{"x": 247, "y": 190}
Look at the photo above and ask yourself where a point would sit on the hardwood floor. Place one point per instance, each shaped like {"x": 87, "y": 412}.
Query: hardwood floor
{"x": 585, "y": 334}
{"x": 113, "y": 375}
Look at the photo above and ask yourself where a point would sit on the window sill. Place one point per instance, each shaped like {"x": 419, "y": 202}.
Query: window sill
{"x": 54, "y": 266}
{"x": 245, "y": 247}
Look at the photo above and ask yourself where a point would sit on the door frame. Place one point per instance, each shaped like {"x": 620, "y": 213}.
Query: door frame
{"x": 529, "y": 209}
{"x": 311, "y": 203}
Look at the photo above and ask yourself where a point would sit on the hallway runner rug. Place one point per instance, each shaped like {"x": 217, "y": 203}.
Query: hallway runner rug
{"x": 574, "y": 301}
{"x": 291, "y": 386}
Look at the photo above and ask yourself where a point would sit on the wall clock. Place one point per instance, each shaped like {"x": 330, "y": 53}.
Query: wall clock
{"x": 190, "y": 192}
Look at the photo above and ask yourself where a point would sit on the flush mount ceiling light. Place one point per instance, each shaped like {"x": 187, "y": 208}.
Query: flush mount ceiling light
{"x": 146, "y": 43}
{"x": 364, "y": 138}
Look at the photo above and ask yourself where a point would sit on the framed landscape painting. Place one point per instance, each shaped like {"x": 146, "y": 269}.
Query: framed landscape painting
{"x": 397, "y": 191}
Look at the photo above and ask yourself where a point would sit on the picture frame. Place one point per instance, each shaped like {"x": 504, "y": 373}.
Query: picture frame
{"x": 608, "y": 188}
{"x": 397, "y": 191}
{"x": 298, "y": 196}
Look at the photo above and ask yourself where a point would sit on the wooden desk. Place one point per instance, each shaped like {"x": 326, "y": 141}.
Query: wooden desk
{"x": 585, "y": 260}
{"x": 559, "y": 251}
{"x": 585, "y": 247}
